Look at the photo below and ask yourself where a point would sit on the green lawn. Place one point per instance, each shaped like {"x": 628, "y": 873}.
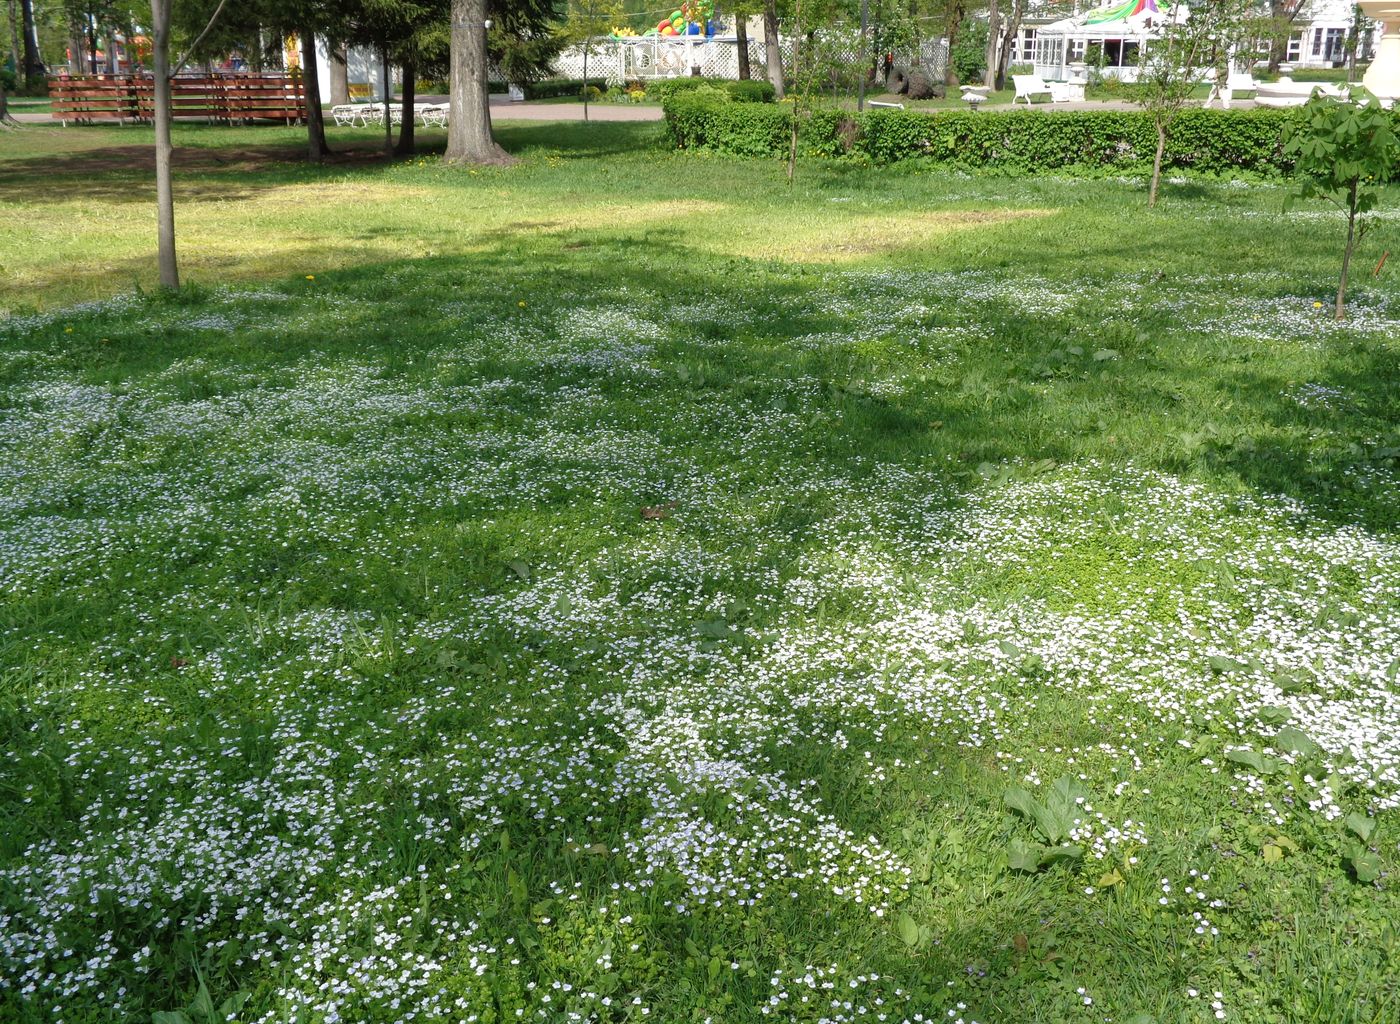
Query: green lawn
{"x": 624, "y": 586}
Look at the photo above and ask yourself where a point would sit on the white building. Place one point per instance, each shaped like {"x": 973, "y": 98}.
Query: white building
{"x": 1318, "y": 39}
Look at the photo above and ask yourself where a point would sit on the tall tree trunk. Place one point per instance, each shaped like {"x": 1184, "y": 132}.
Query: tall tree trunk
{"x": 388, "y": 101}
{"x": 77, "y": 47}
{"x": 6, "y": 121}
{"x": 469, "y": 108}
{"x": 316, "y": 147}
{"x": 741, "y": 37}
{"x": 773, "y": 53}
{"x": 165, "y": 197}
{"x": 587, "y": 47}
{"x": 992, "y": 56}
{"x": 953, "y": 27}
{"x": 340, "y": 74}
{"x": 1011, "y": 28}
{"x": 410, "y": 91}
{"x": 14, "y": 40}
{"x": 113, "y": 64}
{"x": 33, "y": 63}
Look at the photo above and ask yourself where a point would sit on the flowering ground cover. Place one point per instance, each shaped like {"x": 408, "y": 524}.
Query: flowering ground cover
{"x": 621, "y": 587}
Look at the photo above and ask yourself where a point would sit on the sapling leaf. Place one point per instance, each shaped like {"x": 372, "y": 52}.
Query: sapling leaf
{"x": 1295, "y": 741}
{"x": 908, "y": 930}
{"x": 1058, "y": 854}
{"x": 1023, "y": 856}
{"x": 1364, "y": 864}
{"x": 1363, "y": 826}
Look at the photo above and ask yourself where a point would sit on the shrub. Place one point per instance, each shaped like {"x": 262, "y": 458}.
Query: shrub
{"x": 743, "y": 129}
{"x": 752, "y": 90}
{"x": 969, "y": 53}
{"x": 747, "y": 91}
{"x": 549, "y": 88}
{"x": 1204, "y": 141}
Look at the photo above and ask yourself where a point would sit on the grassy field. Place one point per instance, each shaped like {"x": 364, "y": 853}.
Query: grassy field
{"x": 623, "y": 586}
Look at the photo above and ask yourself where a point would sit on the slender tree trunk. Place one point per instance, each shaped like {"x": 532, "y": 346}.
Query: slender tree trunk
{"x": 316, "y": 148}
{"x": 992, "y": 56}
{"x": 954, "y": 26}
{"x": 77, "y": 46}
{"x": 1346, "y": 255}
{"x": 388, "y": 101}
{"x": 587, "y": 46}
{"x": 772, "y": 48}
{"x": 410, "y": 93}
{"x": 1010, "y": 30}
{"x": 340, "y": 75}
{"x": 165, "y": 197}
{"x": 1157, "y": 164}
{"x": 469, "y": 114}
{"x": 14, "y": 40}
{"x": 741, "y": 38}
{"x": 33, "y": 63}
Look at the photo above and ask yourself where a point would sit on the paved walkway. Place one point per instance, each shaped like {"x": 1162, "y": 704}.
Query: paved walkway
{"x": 504, "y": 110}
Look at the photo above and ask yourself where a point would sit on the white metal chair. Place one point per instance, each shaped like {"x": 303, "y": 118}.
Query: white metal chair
{"x": 1030, "y": 86}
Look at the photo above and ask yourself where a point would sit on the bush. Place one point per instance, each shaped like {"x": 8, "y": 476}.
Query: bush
{"x": 752, "y": 90}
{"x": 1204, "y": 141}
{"x": 969, "y": 53}
{"x": 743, "y": 129}
{"x": 549, "y": 88}
{"x": 8, "y": 79}
{"x": 748, "y": 91}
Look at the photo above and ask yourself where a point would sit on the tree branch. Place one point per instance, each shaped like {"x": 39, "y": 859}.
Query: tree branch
{"x": 184, "y": 58}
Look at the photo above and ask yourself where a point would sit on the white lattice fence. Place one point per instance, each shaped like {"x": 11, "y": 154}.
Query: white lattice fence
{"x": 620, "y": 61}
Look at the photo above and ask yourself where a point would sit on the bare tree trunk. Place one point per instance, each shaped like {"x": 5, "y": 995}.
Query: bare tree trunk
{"x": 1010, "y": 30}
{"x": 410, "y": 92}
{"x": 772, "y": 48}
{"x": 992, "y": 55}
{"x": 316, "y": 147}
{"x": 954, "y": 26}
{"x": 741, "y": 37}
{"x": 388, "y": 101}
{"x": 1157, "y": 165}
{"x": 113, "y": 64}
{"x": 33, "y": 62}
{"x": 6, "y": 121}
{"x": 340, "y": 74}
{"x": 469, "y": 110}
{"x": 14, "y": 40}
{"x": 587, "y": 48}
{"x": 165, "y": 197}
{"x": 1346, "y": 255}
{"x": 77, "y": 46}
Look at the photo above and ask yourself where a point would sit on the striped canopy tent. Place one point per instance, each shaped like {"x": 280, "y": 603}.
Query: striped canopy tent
{"x": 1119, "y": 30}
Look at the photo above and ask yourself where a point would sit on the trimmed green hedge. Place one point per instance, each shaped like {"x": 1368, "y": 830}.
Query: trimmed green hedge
{"x": 1205, "y": 141}
{"x": 548, "y": 88}
{"x": 751, "y": 90}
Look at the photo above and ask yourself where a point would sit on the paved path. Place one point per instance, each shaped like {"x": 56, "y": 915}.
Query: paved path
{"x": 504, "y": 110}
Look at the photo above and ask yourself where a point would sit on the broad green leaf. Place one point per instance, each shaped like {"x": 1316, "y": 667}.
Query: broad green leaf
{"x": 908, "y": 930}
{"x": 1023, "y": 856}
{"x": 1047, "y": 823}
{"x": 1363, "y": 826}
{"x": 169, "y": 1017}
{"x": 1363, "y": 863}
{"x": 1058, "y": 854}
{"x": 519, "y": 568}
{"x": 1295, "y": 741}
{"x": 1222, "y": 664}
{"x": 1274, "y": 715}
